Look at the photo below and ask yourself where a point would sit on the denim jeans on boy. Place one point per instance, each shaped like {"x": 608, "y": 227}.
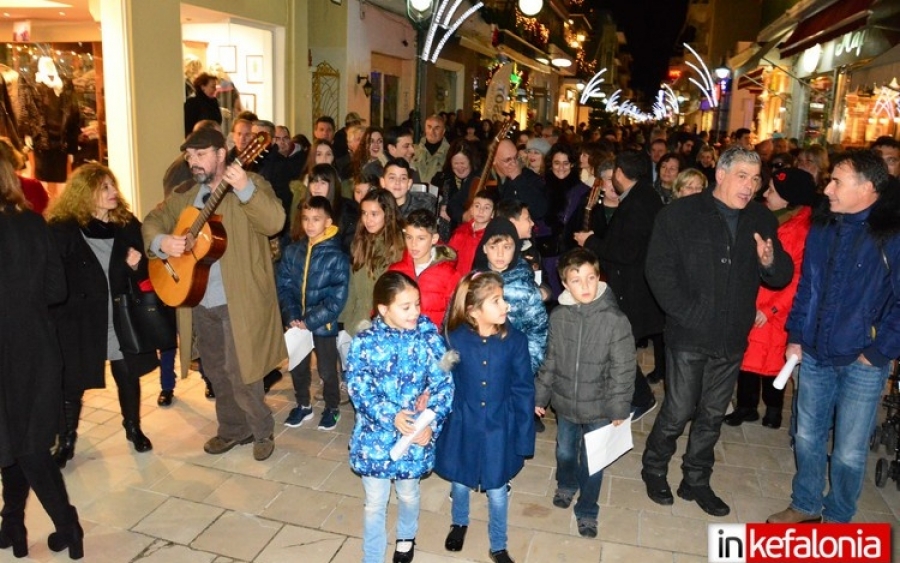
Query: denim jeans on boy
{"x": 378, "y": 493}
{"x": 572, "y": 473}
{"x": 498, "y": 509}
{"x": 848, "y": 395}
{"x": 167, "y": 369}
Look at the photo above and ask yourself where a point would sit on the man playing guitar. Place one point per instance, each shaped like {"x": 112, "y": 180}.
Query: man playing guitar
{"x": 240, "y": 285}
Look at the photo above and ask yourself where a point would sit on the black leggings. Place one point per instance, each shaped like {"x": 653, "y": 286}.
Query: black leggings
{"x": 128, "y": 386}
{"x": 35, "y": 471}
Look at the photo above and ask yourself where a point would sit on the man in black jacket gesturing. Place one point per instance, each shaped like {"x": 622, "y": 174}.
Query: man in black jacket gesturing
{"x": 708, "y": 254}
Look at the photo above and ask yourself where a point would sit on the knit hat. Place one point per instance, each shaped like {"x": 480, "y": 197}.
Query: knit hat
{"x": 538, "y": 144}
{"x": 795, "y": 186}
{"x": 497, "y": 226}
{"x": 204, "y": 138}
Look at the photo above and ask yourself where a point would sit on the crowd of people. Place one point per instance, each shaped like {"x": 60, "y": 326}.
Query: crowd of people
{"x": 485, "y": 282}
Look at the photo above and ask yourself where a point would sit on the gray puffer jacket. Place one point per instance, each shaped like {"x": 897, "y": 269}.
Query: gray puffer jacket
{"x": 588, "y": 372}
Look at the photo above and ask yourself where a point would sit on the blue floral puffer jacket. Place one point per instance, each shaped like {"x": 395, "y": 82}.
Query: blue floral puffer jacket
{"x": 527, "y": 312}
{"x": 387, "y": 370}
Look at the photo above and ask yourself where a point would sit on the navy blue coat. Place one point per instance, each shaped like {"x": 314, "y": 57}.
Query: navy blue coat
{"x": 312, "y": 282}
{"x": 490, "y": 430}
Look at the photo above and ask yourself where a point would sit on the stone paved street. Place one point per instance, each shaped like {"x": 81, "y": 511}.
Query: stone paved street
{"x": 177, "y": 504}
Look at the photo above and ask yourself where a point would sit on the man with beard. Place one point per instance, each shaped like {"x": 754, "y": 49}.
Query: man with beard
{"x": 707, "y": 256}
{"x": 241, "y": 286}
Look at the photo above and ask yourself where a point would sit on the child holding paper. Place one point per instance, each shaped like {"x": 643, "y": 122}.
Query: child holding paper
{"x": 491, "y": 429}
{"x": 312, "y": 281}
{"x": 395, "y": 368}
{"x": 588, "y": 376}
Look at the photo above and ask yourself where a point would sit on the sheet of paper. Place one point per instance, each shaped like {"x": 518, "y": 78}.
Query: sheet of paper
{"x": 343, "y": 346}
{"x": 299, "y": 342}
{"x": 606, "y": 445}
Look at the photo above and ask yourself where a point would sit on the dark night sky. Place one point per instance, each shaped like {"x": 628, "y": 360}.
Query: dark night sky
{"x": 652, "y": 28}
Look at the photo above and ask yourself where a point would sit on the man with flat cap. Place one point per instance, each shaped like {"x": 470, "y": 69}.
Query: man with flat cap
{"x": 241, "y": 287}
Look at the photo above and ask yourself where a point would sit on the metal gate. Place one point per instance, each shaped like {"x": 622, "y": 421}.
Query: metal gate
{"x": 326, "y": 90}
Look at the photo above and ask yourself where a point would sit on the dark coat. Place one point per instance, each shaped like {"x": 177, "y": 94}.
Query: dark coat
{"x": 198, "y": 108}
{"x": 706, "y": 284}
{"x": 31, "y": 279}
{"x": 490, "y": 430}
{"x": 623, "y": 255}
{"x": 312, "y": 282}
{"x": 82, "y": 319}
{"x": 848, "y": 299}
{"x": 588, "y": 373}
{"x": 528, "y": 188}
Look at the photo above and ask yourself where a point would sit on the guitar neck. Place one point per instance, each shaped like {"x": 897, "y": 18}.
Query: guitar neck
{"x": 591, "y": 203}
{"x": 215, "y": 198}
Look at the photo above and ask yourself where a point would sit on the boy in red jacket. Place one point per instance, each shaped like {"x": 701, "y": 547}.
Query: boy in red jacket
{"x": 432, "y": 265}
{"x": 467, "y": 237}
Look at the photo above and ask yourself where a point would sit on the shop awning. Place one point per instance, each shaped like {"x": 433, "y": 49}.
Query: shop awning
{"x": 748, "y": 60}
{"x": 832, "y": 22}
{"x": 752, "y": 81}
{"x": 879, "y": 71}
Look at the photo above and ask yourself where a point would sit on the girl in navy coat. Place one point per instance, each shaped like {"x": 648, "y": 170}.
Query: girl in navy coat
{"x": 490, "y": 430}
{"x": 395, "y": 368}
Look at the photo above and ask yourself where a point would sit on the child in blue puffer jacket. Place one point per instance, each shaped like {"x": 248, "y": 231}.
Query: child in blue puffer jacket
{"x": 312, "y": 281}
{"x": 395, "y": 369}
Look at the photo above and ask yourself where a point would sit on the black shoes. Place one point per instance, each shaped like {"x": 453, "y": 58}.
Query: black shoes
{"x": 271, "y": 379}
{"x": 165, "y": 398}
{"x": 658, "y": 488}
{"x": 501, "y": 556}
{"x": 705, "y": 498}
{"x": 772, "y": 419}
{"x": 741, "y": 415}
{"x": 65, "y": 449}
{"x": 15, "y": 536}
{"x": 134, "y": 435}
{"x": 404, "y": 551}
{"x": 456, "y": 538}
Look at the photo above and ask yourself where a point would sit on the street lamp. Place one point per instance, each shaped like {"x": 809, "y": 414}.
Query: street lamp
{"x": 419, "y": 13}
{"x": 722, "y": 74}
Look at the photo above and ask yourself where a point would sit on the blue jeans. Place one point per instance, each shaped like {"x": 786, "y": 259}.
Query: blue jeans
{"x": 498, "y": 510}
{"x": 848, "y": 396}
{"x": 572, "y": 473}
{"x": 378, "y": 493}
{"x": 167, "y": 369}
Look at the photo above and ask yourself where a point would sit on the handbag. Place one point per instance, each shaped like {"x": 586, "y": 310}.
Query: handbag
{"x": 143, "y": 323}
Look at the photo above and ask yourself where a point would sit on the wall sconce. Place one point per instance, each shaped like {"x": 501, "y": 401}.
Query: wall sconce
{"x": 367, "y": 87}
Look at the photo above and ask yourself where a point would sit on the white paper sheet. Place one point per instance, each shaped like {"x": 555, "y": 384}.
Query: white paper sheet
{"x": 343, "y": 346}
{"x": 606, "y": 445}
{"x": 425, "y": 418}
{"x": 299, "y": 342}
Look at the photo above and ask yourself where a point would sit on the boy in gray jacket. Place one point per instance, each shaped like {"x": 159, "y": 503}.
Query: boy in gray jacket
{"x": 588, "y": 376}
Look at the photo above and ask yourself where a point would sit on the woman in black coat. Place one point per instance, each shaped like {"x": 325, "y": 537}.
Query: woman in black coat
{"x": 99, "y": 241}
{"x": 30, "y": 372}
{"x": 203, "y": 104}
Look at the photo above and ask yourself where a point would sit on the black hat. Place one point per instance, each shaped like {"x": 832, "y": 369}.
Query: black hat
{"x": 795, "y": 186}
{"x": 204, "y": 138}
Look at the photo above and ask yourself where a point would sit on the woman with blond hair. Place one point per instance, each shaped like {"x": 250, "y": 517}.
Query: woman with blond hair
{"x": 100, "y": 244}
{"x": 31, "y": 280}
{"x": 688, "y": 182}
{"x": 814, "y": 159}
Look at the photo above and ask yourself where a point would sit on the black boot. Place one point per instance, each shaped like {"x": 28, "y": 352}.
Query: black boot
{"x": 129, "y": 388}
{"x": 69, "y": 535}
{"x": 65, "y": 448}
{"x": 14, "y": 534}
{"x": 134, "y": 435}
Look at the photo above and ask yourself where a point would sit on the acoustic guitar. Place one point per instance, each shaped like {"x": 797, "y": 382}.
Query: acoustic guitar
{"x": 180, "y": 281}
{"x": 593, "y": 199}
{"x": 482, "y": 182}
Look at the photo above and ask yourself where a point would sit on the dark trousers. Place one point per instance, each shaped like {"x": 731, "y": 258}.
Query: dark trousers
{"x": 128, "y": 387}
{"x": 659, "y": 355}
{"x": 748, "y": 391}
{"x": 326, "y": 361}
{"x": 35, "y": 471}
{"x": 698, "y": 386}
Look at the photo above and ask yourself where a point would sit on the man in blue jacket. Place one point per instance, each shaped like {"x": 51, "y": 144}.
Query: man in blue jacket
{"x": 845, "y": 327}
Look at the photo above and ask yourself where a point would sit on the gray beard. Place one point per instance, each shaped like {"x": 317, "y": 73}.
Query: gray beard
{"x": 202, "y": 177}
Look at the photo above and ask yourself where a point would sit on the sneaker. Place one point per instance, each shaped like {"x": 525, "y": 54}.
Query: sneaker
{"x": 262, "y": 449}
{"x": 218, "y": 445}
{"x": 563, "y": 499}
{"x": 329, "y": 420}
{"x": 298, "y": 416}
{"x": 587, "y": 527}
{"x": 639, "y": 412}
{"x": 705, "y": 498}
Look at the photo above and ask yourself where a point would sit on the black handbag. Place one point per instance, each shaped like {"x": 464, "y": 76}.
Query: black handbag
{"x": 143, "y": 323}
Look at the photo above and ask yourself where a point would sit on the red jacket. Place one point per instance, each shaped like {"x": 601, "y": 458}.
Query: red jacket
{"x": 766, "y": 344}
{"x": 436, "y": 282}
{"x": 465, "y": 241}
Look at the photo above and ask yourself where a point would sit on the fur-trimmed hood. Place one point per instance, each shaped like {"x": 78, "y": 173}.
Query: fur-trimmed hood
{"x": 884, "y": 216}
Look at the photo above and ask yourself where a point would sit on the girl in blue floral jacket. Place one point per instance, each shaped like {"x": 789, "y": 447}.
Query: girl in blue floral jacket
{"x": 395, "y": 368}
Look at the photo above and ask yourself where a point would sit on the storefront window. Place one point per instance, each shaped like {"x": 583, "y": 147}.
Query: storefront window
{"x": 820, "y": 92}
